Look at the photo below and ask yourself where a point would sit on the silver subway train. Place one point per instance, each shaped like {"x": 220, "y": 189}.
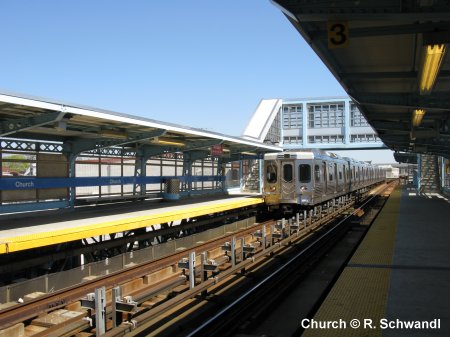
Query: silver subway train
{"x": 303, "y": 179}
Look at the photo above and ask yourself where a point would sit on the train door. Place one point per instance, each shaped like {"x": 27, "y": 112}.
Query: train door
{"x": 317, "y": 186}
{"x": 331, "y": 185}
{"x": 358, "y": 176}
{"x": 345, "y": 174}
{"x": 325, "y": 178}
{"x": 348, "y": 186}
{"x": 336, "y": 177}
{"x": 287, "y": 180}
{"x": 271, "y": 182}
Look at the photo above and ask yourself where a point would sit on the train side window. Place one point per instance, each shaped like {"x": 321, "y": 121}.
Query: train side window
{"x": 340, "y": 175}
{"x": 317, "y": 173}
{"x": 304, "y": 173}
{"x": 271, "y": 172}
{"x": 287, "y": 172}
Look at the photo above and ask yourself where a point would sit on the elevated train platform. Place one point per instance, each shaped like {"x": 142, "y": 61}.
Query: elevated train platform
{"x": 70, "y": 158}
{"x": 31, "y": 231}
{"x": 398, "y": 276}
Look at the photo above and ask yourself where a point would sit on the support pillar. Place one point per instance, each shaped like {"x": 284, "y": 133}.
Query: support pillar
{"x": 72, "y": 189}
{"x": 116, "y": 296}
{"x": 100, "y": 311}
{"x": 260, "y": 175}
{"x": 140, "y": 170}
{"x": 191, "y": 270}
{"x": 186, "y": 185}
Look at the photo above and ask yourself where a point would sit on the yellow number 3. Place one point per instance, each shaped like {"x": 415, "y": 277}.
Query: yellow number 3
{"x": 337, "y": 34}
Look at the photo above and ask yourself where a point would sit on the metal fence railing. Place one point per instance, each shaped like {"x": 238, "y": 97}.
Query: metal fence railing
{"x": 53, "y": 282}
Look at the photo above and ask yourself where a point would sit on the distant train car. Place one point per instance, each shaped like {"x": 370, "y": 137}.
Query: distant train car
{"x": 294, "y": 180}
{"x": 391, "y": 172}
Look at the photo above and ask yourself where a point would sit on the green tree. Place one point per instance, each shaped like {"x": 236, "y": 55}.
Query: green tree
{"x": 16, "y": 165}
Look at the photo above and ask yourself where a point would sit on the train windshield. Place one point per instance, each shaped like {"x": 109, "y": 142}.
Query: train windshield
{"x": 304, "y": 173}
{"x": 271, "y": 172}
{"x": 287, "y": 172}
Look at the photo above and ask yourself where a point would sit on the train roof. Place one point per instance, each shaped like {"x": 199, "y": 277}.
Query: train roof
{"x": 314, "y": 154}
{"x": 304, "y": 154}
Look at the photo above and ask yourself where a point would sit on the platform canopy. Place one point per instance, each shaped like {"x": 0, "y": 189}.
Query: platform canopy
{"x": 392, "y": 59}
{"x": 80, "y": 128}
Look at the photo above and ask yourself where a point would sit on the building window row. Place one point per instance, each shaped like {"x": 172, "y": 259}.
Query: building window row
{"x": 326, "y": 115}
{"x": 292, "y": 140}
{"x": 292, "y": 116}
{"x": 364, "y": 138}
{"x": 356, "y": 117}
{"x": 326, "y": 139}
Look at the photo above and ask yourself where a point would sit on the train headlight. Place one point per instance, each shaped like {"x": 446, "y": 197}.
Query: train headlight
{"x": 303, "y": 188}
{"x": 273, "y": 188}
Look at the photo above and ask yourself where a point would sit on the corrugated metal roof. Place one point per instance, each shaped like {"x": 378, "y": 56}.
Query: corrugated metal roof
{"x": 375, "y": 49}
{"x": 23, "y": 116}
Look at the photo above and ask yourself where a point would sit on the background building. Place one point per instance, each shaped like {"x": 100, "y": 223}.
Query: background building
{"x": 330, "y": 123}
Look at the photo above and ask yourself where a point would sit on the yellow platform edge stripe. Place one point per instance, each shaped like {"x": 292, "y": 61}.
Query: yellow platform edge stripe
{"x": 14, "y": 244}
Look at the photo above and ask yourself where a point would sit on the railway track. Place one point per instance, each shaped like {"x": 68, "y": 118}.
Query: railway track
{"x": 254, "y": 302}
{"x": 175, "y": 283}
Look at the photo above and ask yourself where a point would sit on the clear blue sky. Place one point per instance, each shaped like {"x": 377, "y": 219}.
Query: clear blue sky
{"x": 200, "y": 63}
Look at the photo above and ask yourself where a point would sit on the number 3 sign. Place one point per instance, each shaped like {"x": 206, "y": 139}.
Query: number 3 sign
{"x": 337, "y": 34}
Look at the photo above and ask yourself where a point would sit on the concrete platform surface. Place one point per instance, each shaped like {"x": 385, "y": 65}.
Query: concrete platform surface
{"x": 398, "y": 281}
{"x": 34, "y": 230}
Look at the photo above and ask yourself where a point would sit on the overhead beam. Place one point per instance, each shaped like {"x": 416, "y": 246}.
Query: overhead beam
{"x": 201, "y": 145}
{"x": 370, "y": 14}
{"x": 80, "y": 145}
{"x": 416, "y": 28}
{"x": 244, "y": 148}
{"x": 386, "y": 116}
{"x": 404, "y": 142}
{"x": 392, "y": 126}
{"x": 436, "y": 100}
{"x": 194, "y": 155}
{"x": 38, "y": 136}
{"x": 382, "y": 75}
{"x": 16, "y": 125}
{"x": 147, "y": 151}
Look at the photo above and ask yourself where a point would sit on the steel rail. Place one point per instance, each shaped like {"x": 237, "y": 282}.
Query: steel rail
{"x": 49, "y": 302}
{"x": 21, "y": 312}
{"x": 14, "y": 265}
{"x": 141, "y": 323}
{"x": 251, "y": 292}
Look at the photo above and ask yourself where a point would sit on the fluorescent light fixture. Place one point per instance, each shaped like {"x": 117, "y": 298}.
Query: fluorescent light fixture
{"x": 168, "y": 141}
{"x": 113, "y": 134}
{"x": 417, "y": 117}
{"x": 433, "y": 56}
{"x": 249, "y": 153}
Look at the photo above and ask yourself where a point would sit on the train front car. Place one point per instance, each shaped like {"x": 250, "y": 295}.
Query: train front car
{"x": 293, "y": 186}
{"x": 308, "y": 178}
